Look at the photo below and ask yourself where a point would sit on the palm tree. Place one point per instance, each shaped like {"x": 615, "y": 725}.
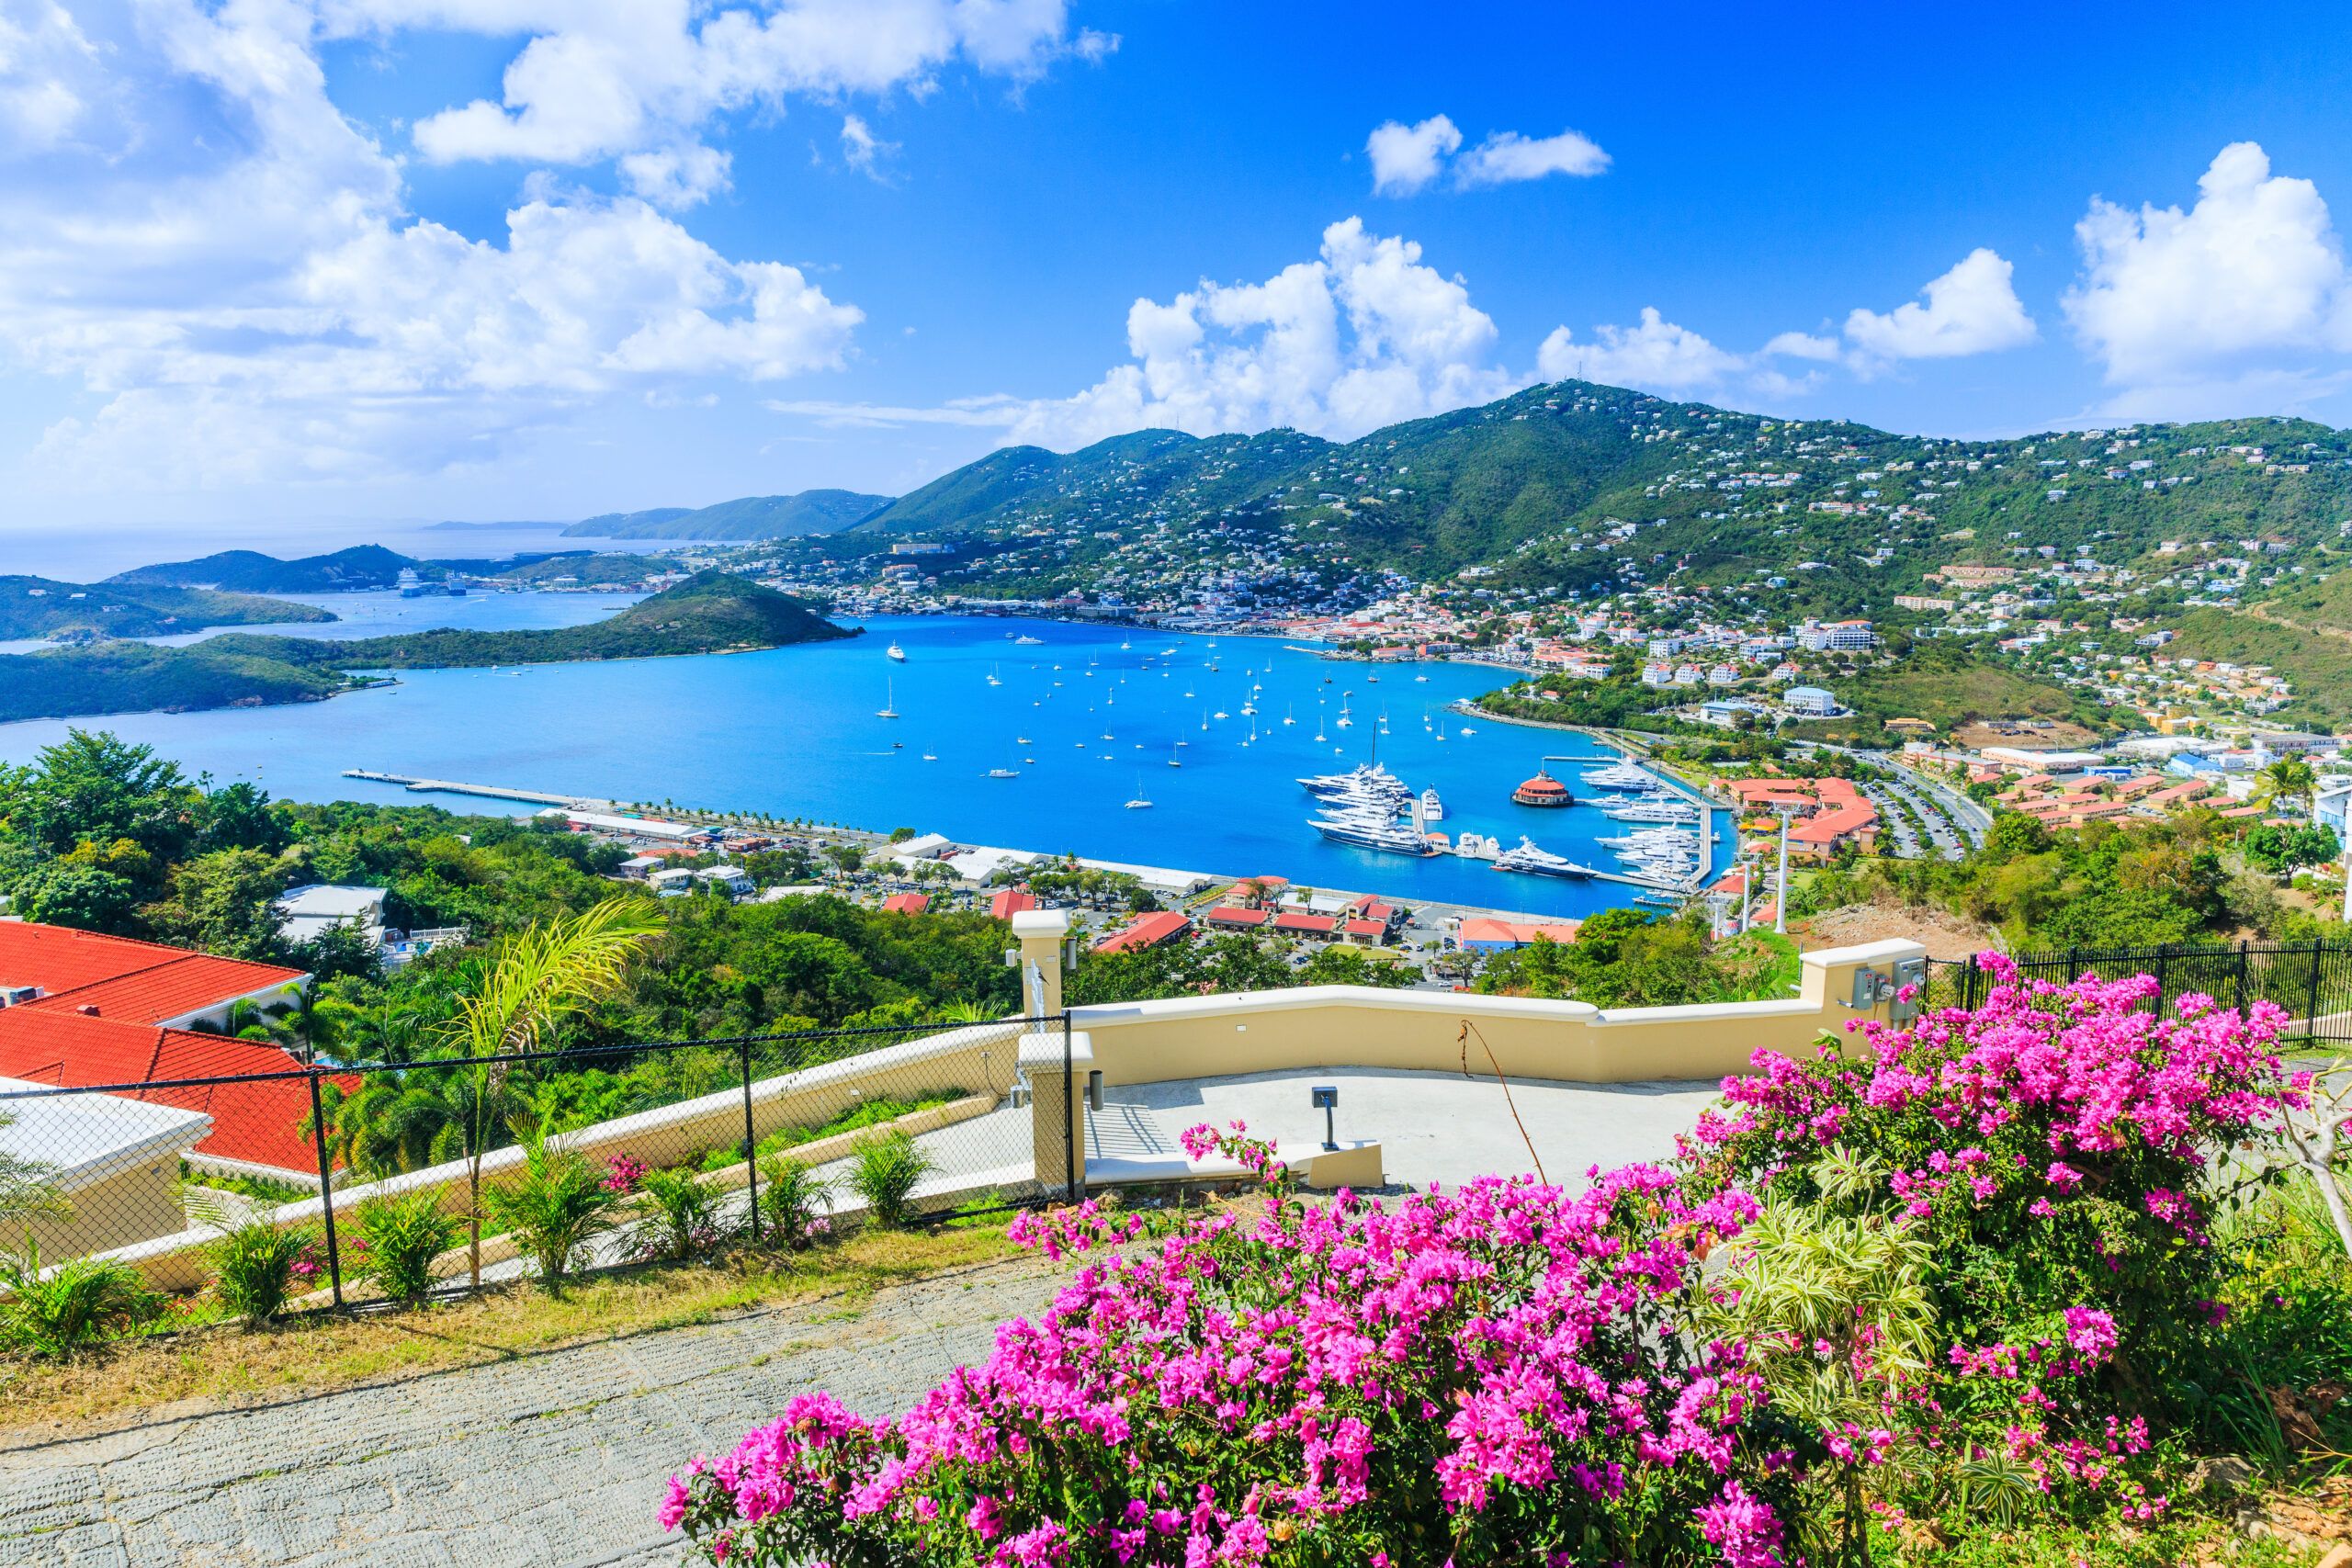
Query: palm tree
{"x": 545, "y": 974}
{"x": 2290, "y": 779}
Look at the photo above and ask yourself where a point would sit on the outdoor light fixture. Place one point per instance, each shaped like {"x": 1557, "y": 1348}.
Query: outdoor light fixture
{"x": 1327, "y": 1100}
{"x": 1094, "y": 1089}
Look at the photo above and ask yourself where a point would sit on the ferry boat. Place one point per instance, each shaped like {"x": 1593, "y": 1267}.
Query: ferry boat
{"x": 1531, "y": 860}
{"x": 895, "y": 652}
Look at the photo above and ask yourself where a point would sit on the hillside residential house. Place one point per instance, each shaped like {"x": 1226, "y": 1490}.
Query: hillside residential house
{"x": 89, "y": 1010}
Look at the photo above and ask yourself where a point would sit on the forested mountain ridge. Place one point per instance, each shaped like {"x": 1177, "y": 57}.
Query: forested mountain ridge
{"x": 749, "y": 518}
{"x": 1532, "y": 483}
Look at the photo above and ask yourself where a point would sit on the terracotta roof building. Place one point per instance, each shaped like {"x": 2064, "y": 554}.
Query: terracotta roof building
{"x": 1150, "y": 930}
{"x": 92, "y": 1009}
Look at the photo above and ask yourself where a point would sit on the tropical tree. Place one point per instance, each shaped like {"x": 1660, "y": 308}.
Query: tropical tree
{"x": 2290, "y": 779}
{"x": 547, "y": 972}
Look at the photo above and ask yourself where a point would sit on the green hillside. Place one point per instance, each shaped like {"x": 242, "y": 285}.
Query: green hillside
{"x": 590, "y": 570}
{"x": 752, "y": 517}
{"x": 137, "y": 677}
{"x": 250, "y": 571}
{"x": 42, "y": 607}
{"x": 710, "y": 613}
{"x": 1534, "y": 483}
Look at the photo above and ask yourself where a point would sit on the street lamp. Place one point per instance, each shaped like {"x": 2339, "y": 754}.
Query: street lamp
{"x": 1781, "y": 891}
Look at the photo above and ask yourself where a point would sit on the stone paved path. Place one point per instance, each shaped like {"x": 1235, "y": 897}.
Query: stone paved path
{"x": 555, "y": 1460}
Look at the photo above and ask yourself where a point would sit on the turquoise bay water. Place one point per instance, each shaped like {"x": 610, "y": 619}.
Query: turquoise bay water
{"x": 794, "y": 733}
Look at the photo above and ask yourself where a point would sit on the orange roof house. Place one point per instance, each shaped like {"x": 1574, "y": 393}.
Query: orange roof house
{"x": 1149, "y": 930}
{"x": 105, "y": 1010}
{"x": 906, "y": 903}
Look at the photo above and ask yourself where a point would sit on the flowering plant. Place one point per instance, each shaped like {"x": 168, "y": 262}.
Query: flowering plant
{"x": 1490, "y": 1373}
{"x": 2040, "y": 1179}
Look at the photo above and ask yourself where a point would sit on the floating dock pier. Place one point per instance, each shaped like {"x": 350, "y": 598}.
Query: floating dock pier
{"x": 492, "y": 792}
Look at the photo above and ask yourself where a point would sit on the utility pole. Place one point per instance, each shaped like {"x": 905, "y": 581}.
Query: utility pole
{"x": 1780, "y": 892}
{"x": 1746, "y": 889}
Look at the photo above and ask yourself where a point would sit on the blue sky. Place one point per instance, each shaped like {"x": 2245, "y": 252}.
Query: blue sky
{"x": 542, "y": 258}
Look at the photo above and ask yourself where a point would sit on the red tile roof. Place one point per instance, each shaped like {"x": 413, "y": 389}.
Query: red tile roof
{"x": 139, "y": 982}
{"x": 1007, "y": 902}
{"x": 1306, "y": 924}
{"x": 99, "y": 1023}
{"x": 1162, "y": 925}
{"x": 906, "y": 903}
{"x": 1374, "y": 930}
{"x": 259, "y": 1123}
{"x": 1235, "y": 915}
{"x": 1500, "y": 932}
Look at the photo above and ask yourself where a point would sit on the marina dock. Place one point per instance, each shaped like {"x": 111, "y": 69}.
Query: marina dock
{"x": 492, "y": 791}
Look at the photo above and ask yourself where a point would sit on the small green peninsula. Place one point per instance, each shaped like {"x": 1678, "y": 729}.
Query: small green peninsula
{"x": 712, "y": 612}
{"x": 43, "y": 607}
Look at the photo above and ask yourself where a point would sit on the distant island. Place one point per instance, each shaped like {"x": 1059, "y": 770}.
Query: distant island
{"x": 751, "y": 518}
{"x": 712, "y": 612}
{"x": 250, "y": 571}
{"x": 43, "y": 607}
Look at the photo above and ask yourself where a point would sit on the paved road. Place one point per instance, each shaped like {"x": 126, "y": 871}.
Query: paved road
{"x": 555, "y": 1460}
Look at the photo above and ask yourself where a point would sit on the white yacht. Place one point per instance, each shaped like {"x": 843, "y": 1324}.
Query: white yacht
{"x": 1620, "y": 775}
{"x": 1369, "y": 830}
{"x": 1678, "y": 812}
{"x": 895, "y": 652}
{"x": 1534, "y": 862}
{"x": 1025, "y": 640}
{"x": 1432, "y": 808}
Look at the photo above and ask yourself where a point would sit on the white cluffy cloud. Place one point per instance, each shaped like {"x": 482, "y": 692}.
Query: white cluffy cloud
{"x": 1656, "y": 356}
{"x": 256, "y": 303}
{"x": 1507, "y": 156}
{"x": 1364, "y": 336}
{"x": 1404, "y": 158}
{"x": 612, "y": 78}
{"x": 1410, "y": 158}
{"x": 2240, "y": 302}
{"x": 1973, "y": 309}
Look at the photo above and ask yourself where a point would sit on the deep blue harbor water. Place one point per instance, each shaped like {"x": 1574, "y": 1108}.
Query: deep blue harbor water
{"x": 794, "y": 732}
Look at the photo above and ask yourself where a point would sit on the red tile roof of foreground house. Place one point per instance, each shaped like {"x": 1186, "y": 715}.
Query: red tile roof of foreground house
{"x": 1007, "y": 902}
{"x": 67, "y": 963}
{"x": 1150, "y": 930}
{"x": 257, "y": 1123}
{"x": 906, "y": 903}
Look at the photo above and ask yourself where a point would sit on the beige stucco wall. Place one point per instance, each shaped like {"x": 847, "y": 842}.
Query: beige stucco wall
{"x": 1332, "y": 1026}
{"x": 128, "y": 1206}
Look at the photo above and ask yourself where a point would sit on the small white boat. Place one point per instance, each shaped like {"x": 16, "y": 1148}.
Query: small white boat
{"x": 929, "y": 755}
{"x": 895, "y": 652}
{"x": 889, "y": 708}
{"x": 1004, "y": 773}
{"x": 1141, "y": 802}
{"x": 1467, "y": 731}
{"x": 993, "y": 679}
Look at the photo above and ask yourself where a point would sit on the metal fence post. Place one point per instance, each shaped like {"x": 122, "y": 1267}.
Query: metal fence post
{"x": 2240, "y": 1001}
{"x": 751, "y": 1147}
{"x": 1070, "y": 1133}
{"x": 326, "y": 1184}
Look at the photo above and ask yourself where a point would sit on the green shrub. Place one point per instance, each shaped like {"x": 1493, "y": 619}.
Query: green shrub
{"x": 558, "y": 1205}
{"x": 790, "y": 1197}
{"x": 78, "y": 1303}
{"x": 884, "y": 1170}
{"x": 399, "y": 1236}
{"x": 255, "y": 1267}
{"x": 686, "y": 1217}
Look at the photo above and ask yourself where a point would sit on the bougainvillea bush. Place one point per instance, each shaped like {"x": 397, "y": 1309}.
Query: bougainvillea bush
{"x": 1953, "y": 1270}
{"x": 1488, "y": 1375}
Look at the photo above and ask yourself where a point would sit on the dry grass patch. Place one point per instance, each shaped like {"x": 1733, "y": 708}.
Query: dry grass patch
{"x": 145, "y": 1380}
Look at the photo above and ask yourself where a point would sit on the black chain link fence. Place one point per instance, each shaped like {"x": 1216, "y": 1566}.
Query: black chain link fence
{"x": 2312, "y": 980}
{"x": 931, "y": 1122}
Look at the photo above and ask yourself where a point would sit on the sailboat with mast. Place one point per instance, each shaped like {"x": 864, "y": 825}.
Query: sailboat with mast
{"x": 889, "y": 708}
